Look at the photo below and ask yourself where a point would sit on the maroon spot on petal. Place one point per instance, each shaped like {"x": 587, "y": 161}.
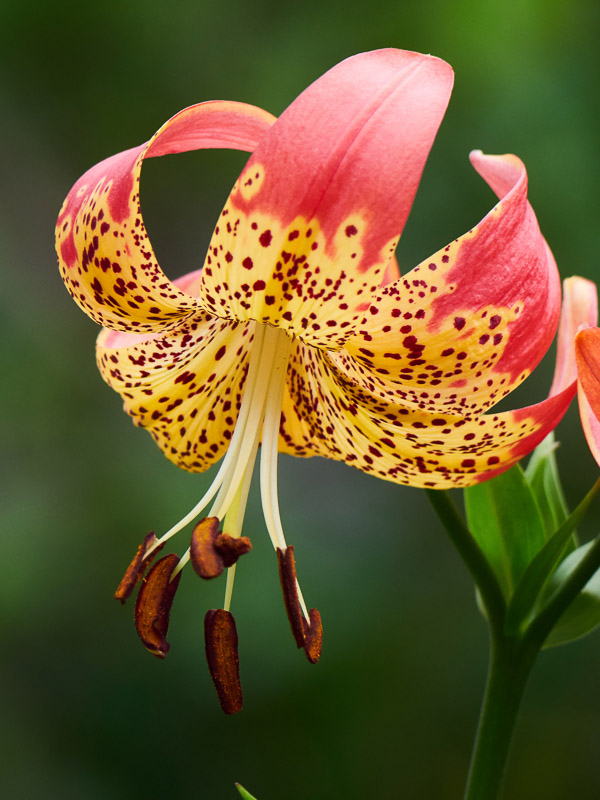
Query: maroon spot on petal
{"x": 493, "y": 460}
{"x": 351, "y": 230}
{"x": 247, "y": 263}
{"x": 265, "y": 238}
{"x": 220, "y": 353}
{"x": 467, "y": 462}
{"x": 447, "y": 352}
{"x": 497, "y": 338}
{"x": 269, "y": 299}
{"x": 228, "y": 257}
{"x": 459, "y": 322}
{"x": 495, "y": 321}
{"x": 259, "y": 285}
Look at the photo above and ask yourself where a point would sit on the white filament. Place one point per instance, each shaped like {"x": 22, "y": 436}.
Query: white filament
{"x": 260, "y": 412}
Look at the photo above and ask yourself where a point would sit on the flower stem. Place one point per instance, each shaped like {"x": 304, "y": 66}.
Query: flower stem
{"x": 511, "y": 660}
{"x": 473, "y": 558}
{"x": 508, "y": 671}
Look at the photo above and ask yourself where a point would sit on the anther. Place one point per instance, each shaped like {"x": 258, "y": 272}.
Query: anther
{"x": 221, "y": 643}
{"x": 206, "y": 560}
{"x": 313, "y": 636}
{"x": 139, "y": 564}
{"x": 308, "y": 635}
{"x": 211, "y": 551}
{"x": 287, "y": 577}
{"x": 153, "y": 605}
{"x": 230, "y": 548}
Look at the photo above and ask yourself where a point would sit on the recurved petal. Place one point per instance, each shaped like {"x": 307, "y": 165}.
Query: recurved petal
{"x": 465, "y": 327}
{"x": 587, "y": 351}
{"x": 184, "y": 387}
{"x": 311, "y": 225}
{"x": 327, "y": 415}
{"x": 104, "y": 253}
{"x": 579, "y": 308}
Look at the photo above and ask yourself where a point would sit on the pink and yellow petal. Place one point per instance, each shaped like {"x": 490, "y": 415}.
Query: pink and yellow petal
{"x": 587, "y": 352}
{"x": 401, "y": 443}
{"x": 310, "y": 227}
{"x": 579, "y": 309}
{"x": 466, "y": 326}
{"x": 184, "y": 387}
{"x": 104, "y": 253}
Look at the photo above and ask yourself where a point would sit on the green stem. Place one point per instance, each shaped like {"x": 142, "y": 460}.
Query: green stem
{"x": 508, "y": 671}
{"x": 473, "y": 558}
{"x": 511, "y": 660}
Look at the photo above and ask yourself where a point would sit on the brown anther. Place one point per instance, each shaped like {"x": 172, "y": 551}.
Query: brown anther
{"x": 221, "y": 642}
{"x": 153, "y": 605}
{"x": 206, "y": 559}
{"x": 313, "y": 640}
{"x": 230, "y": 548}
{"x": 308, "y": 635}
{"x": 139, "y": 564}
{"x": 287, "y": 577}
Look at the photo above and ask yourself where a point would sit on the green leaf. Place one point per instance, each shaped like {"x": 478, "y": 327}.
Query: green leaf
{"x": 542, "y": 476}
{"x": 583, "y": 614}
{"x": 543, "y": 565}
{"x": 246, "y": 795}
{"x": 505, "y": 520}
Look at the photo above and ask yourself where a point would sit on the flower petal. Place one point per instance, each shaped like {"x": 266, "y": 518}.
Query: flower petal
{"x": 184, "y": 387}
{"x": 466, "y": 326}
{"x": 579, "y": 308}
{"x": 313, "y": 221}
{"x": 104, "y": 254}
{"x": 587, "y": 352}
{"x": 328, "y": 415}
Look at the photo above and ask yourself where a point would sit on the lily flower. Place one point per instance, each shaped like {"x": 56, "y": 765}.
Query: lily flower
{"x": 587, "y": 355}
{"x": 298, "y": 333}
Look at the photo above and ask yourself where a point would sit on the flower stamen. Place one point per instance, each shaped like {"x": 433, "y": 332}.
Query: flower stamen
{"x": 221, "y": 641}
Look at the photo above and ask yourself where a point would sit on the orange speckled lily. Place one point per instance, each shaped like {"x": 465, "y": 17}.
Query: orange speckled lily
{"x": 298, "y": 331}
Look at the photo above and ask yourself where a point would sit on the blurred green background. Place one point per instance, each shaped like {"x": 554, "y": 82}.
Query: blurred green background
{"x": 391, "y": 709}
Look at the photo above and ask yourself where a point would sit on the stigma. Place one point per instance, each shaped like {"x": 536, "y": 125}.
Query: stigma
{"x": 217, "y": 542}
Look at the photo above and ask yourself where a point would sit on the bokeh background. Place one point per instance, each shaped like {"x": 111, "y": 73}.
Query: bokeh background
{"x": 391, "y": 709}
